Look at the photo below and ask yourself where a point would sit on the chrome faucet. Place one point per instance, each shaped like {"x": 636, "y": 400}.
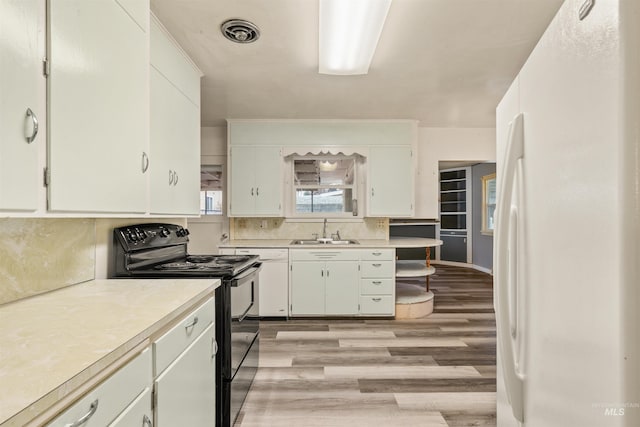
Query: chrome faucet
{"x": 324, "y": 229}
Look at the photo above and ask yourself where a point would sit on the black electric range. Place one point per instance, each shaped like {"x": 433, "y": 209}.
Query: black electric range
{"x": 160, "y": 251}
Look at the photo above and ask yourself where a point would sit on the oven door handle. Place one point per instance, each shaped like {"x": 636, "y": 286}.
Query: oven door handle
{"x": 239, "y": 279}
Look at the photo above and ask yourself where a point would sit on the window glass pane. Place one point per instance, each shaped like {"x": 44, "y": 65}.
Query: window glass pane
{"x": 488, "y": 202}
{"x": 333, "y": 170}
{"x": 336, "y": 200}
{"x": 211, "y": 202}
{"x": 211, "y": 190}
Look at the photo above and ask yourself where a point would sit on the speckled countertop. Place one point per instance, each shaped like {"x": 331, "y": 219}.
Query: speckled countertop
{"x": 394, "y": 242}
{"x": 52, "y": 343}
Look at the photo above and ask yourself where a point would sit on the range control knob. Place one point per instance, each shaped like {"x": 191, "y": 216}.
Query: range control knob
{"x": 164, "y": 232}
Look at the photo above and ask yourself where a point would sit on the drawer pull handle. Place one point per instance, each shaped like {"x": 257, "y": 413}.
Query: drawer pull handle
{"x": 377, "y": 265}
{"x": 146, "y": 422}
{"x": 376, "y": 253}
{"x": 92, "y": 410}
{"x": 194, "y": 323}
{"x": 377, "y": 299}
{"x": 377, "y": 282}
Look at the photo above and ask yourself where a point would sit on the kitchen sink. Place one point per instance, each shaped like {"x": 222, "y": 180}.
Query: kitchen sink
{"x": 324, "y": 242}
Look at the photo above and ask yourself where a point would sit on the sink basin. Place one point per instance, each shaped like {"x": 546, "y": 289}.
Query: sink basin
{"x": 324, "y": 242}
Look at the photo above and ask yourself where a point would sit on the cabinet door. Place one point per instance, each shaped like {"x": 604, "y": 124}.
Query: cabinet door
{"x": 98, "y": 108}
{"x": 242, "y": 195}
{"x": 22, "y": 89}
{"x": 268, "y": 180}
{"x": 391, "y": 181}
{"x": 175, "y": 129}
{"x": 341, "y": 287}
{"x": 307, "y": 288}
{"x": 185, "y": 392}
{"x": 175, "y": 150}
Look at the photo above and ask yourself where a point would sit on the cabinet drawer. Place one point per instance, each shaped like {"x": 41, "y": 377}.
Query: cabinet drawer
{"x": 171, "y": 344}
{"x": 378, "y": 254}
{"x": 383, "y": 304}
{"x": 324, "y": 255}
{"x": 103, "y": 404}
{"x": 135, "y": 413}
{"x": 377, "y": 286}
{"x": 384, "y": 269}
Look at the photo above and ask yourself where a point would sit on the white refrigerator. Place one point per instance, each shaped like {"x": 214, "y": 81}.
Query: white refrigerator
{"x": 567, "y": 255}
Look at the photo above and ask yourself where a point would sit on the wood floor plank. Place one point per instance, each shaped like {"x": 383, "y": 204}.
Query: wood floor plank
{"x": 400, "y": 372}
{"x": 403, "y": 342}
{"x": 403, "y": 385}
{"x": 466, "y": 401}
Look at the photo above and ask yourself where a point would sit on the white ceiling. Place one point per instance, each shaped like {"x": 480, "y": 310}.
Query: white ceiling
{"x": 446, "y": 63}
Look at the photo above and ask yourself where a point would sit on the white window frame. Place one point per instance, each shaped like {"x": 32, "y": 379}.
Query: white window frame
{"x": 485, "y": 229}
{"x": 291, "y": 211}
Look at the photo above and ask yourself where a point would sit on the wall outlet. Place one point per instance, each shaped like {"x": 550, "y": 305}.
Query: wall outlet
{"x": 381, "y": 223}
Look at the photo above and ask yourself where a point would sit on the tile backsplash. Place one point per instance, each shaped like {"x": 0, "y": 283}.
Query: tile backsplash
{"x": 40, "y": 255}
{"x": 279, "y": 228}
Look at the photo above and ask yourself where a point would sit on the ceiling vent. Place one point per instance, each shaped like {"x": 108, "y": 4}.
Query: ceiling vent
{"x": 240, "y": 31}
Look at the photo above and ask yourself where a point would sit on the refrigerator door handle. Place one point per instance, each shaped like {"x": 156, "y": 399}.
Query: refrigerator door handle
{"x": 504, "y": 260}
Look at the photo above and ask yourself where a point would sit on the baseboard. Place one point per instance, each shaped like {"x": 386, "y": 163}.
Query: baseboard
{"x": 464, "y": 264}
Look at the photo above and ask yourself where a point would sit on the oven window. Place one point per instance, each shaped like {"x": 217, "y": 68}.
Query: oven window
{"x": 211, "y": 191}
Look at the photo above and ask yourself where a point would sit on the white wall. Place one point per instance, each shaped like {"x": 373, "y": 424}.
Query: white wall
{"x": 447, "y": 144}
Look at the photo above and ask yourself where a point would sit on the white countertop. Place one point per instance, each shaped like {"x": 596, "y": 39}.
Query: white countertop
{"x": 394, "y": 242}
{"x": 52, "y": 343}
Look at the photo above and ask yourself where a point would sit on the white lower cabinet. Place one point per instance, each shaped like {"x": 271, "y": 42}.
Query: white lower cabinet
{"x": 102, "y": 405}
{"x": 184, "y": 371}
{"x": 323, "y": 282}
{"x": 185, "y": 393}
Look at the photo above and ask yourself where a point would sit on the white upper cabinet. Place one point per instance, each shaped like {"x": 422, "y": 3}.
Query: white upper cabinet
{"x": 390, "y": 180}
{"x": 256, "y": 181}
{"x": 175, "y": 128}
{"x": 257, "y": 186}
{"x": 22, "y": 103}
{"x": 98, "y": 106}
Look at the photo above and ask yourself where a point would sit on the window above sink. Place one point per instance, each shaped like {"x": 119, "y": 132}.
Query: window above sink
{"x": 324, "y": 185}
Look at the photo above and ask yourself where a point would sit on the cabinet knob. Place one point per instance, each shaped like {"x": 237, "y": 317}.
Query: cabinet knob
{"x": 146, "y": 422}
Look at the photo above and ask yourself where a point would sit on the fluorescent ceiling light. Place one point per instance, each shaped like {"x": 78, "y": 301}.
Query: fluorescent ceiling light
{"x": 349, "y": 33}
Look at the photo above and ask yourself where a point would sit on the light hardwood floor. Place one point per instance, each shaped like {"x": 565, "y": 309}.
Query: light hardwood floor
{"x": 435, "y": 371}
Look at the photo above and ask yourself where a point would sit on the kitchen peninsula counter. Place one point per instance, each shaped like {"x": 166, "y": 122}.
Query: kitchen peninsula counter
{"x": 392, "y": 243}
{"x": 52, "y": 345}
